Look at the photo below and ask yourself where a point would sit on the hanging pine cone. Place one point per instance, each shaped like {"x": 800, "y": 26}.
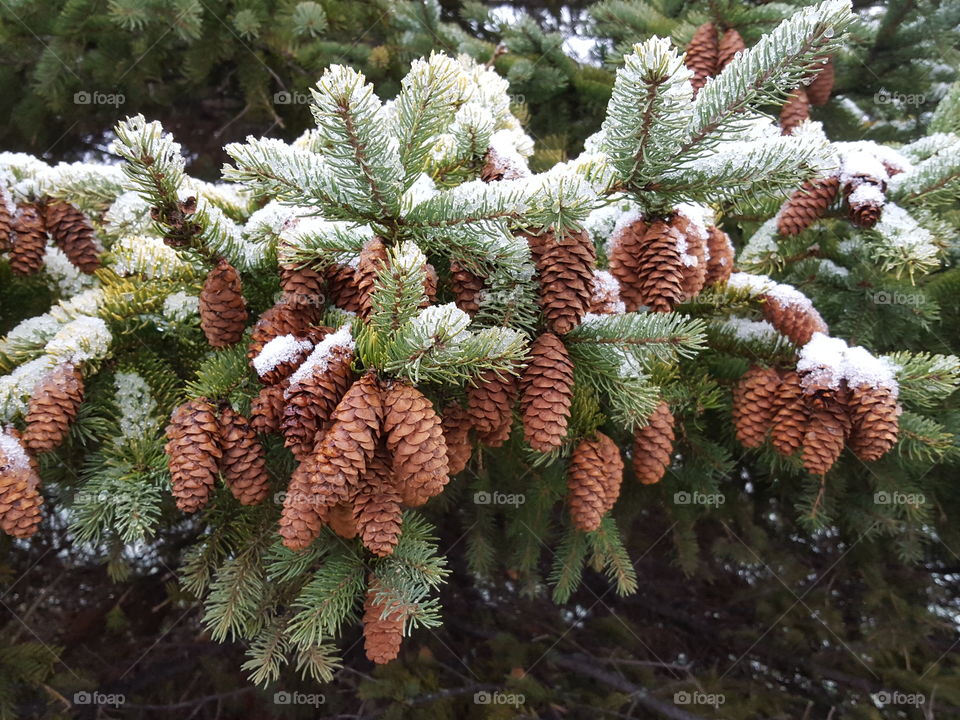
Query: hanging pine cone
{"x": 266, "y": 409}
{"x": 340, "y": 519}
{"x": 342, "y": 287}
{"x": 193, "y": 453}
{"x": 430, "y": 282}
{"x": 53, "y": 406}
{"x": 807, "y": 204}
{"x": 414, "y": 437}
{"x": 593, "y": 481}
{"x": 789, "y": 417}
{"x": 694, "y": 260}
{"x": 661, "y": 267}
{"x": 243, "y": 464}
{"x": 823, "y": 442}
{"x": 223, "y": 311}
{"x": 730, "y": 44}
{"x": 753, "y": 405}
{"x": 346, "y": 448}
{"x": 653, "y": 445}
{"x": 20, "y": 498}
{"x": 547, "y": 393}
{"x": 70, "y": 230}
{"x": 565, "y": 268}
{"x": 605, "y": 295}
{"x": 818, "y": 91}
{"x": 381, "y": 636}
{"x": 303, "y": 514}
{"x": 874, "y": 414}
{"x": 797, "y": 321}
{"x": 7, "y": 210}
{"x": 625, "y": 262}
{"x": 311, "y": 398}
{"x": 490, "y": 406}
{"x": 456, "y": 433}
{"x": 377, "y": 510}
{"x": 794, "y": 112}
{"x": 303, "y": 289}
{"x": 702, "y": 55}
{"x": 280, "y": 319}
{"x": 30, "y": 241}
{"x": 466, "y": 288}
{"x": 719, "y": 256}
{"x": 373, "y": 258}
{"x": 866, "y": 202}
{"x": 281, "y": 357}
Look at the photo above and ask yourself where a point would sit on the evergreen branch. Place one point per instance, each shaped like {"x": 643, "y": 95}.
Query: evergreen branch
{"x": 399, "y": 292}
{"x": 567, "y": 571}
{"x": 328, "y": 600}
{"x": 607, "y": 546}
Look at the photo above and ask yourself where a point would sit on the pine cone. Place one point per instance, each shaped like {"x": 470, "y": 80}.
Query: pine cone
{"x": 279, "y": 319}
{"x": 605, "y": 295}
{"x": 797, "y": 323}
{"x": 377, "y": 509}
{"x": 823, "y": 442}
{"x": 795, "y": 111}
{"x": 30, "y": 241}
{"x": 466, "y": 288}
{"x": 303, "y": 514}
{"x": 70, "y": 230}
{"x": 414, "y": 437}
{"x": 719, "y": 256}
{"x": 498, "y": 167}
{"x": 653, "y": 446}
{"x": 342, "y": 287}
{"x": 625, "y": 262}
{"x": 243, "y": 464}
{"x": 430, "y": 282}
{"x": 789, "y": 416}
{"x": 593, "y": 481}
{"x": 340, "y": 519}
{"x": 303, "y": 289}
{"x": 490, "y": 404}
{"x": 753, "y": 405}
{"x": 730, "y": 44}
{"x": 53, "y": 406}
{"x": 266, "y": 409}
{"x": 547, "y": 393}
{"x": 311, "y": 400}
{"x": 344, "y": 451}
{"x": 282, "y": 356}
{"x": 193, "y": 453}
{"x": 373, "y": 258}
{"x": 381, "y": 636}
{"x": 223, "y": 311}
{"x": 694, "y": 260}
{"x": 565, "y": 266}
{"x": 818, "y": 91}
{"x": 20, "y": 498}
{"x": 866, "y": 204}
{"x": 874, "y": 414}
{"x": 807, "y": 204}
{"x": 702, "y": 55}
{"x": 661, "y": 267}
{"x": 456, "y": 433}
{"x": 7, "y": 210}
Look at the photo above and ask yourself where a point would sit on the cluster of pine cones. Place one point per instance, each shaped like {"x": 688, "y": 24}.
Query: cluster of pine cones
{"x": 708, "y": 53}
{"x": 24, "y": 229}
{"x": 53, "y": 407}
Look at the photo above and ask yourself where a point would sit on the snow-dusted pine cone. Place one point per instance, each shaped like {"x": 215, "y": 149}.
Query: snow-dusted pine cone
{"x": 753, "y": 405}
{"x": 798, "y": 320}
{"x": 7, "y": 211}
{"x": 702, "y": 55}
{"x": 605, "y": 297}
{"x": 243, "y": 465}
{"x": 279, "y": 319}
{"x": 71, "y": 230}
{"x": 625, "y": 261}
{"x": 730, "y": 44}
{"x": 52, "y": 408}
{"x": 414, "y": 437}
{"x": 223, "y": 310}
{"x": 373, "y": 258}
{"x": 20, "y": 498}
{"x": 653, "y": 445}
{"x": 193, "y": 453}
{"x": 719, "y": 256}
{"x": 807, "y": 204}
{"x": 694, "y": 259}
{"x": 29, "y": 241}
{"x": 874, "y": 413}
{"x": 547, "y": 391}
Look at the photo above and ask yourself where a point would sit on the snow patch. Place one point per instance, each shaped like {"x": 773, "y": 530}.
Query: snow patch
{"x": 283, "y": 348}
{"x": 318, "y": 360}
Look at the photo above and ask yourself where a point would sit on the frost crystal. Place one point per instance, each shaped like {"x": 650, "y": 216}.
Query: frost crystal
{"x": 821, "y": 361}
{"x": 17, "y": 387}
{"x": 181, "y": 306}
{"x": 69, "y": 279}
{"x": 12, "y": 454}
{"x": 146, "y": 255}
{"x": 751, "y": 330}
{"x": 440, "y": 323}
{"x": 86, "y": 338}
{"x": 136, "y": 404}
{"x": 129, "y": 215}
{"x": 283, "y": 348}
{"x": 751, "y": 284}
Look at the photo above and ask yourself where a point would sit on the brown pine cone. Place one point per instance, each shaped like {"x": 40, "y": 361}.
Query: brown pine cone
{"x": 303, "y": 514}
{"x": 730, "y": 44}
{"x": 565, "y": 268}
{"x": 373, "y": 258}
{"x": 414, "y": 437}
{"x": 807, "y": 204}
{"x": 661, "y": 267}
{"x": 653, "y": 446}
{"x": 794, "y": 112}
{"x": 341, "y": 519}
{"x": 430, "y": 282}
{"x": 865, "y": 203}
{"x": 498, "y": 167}
{"x": 20, "y": 498}
{"x": 605, "y": 295}
{"x": 466, "y": 288}
{"x": 70, "y": 230}
{"x": 720, "y": 260}
{"x": 753, "y": 405}
{"x": 342, "y": 287}
{"x": 7, "y": 210}
{"x": 625, "y": 262}
{"x": 282, "y": 356}
{"x": 243, "y": 464}
{"x": 381, "y": 636}
{"x": 279, "y": 319}
{"x": 310, "y": 400}
{"x": 547, "y": 391}
{"x": 377, "y": 510}
{"x": 490, "y": 404}
{"x": 694, "y": 261}
{"x": 193, "y": 453}
{"x": 266, "y": 409}
{"x": 303, "y": 289}
{"x": 223, "y": 311}
{"x": 30, "y": 241}
{"x": 818, "y": 91}
{"x": 53, "y": 406}
{"x": 823, "y": 442}
{"x": 874, "y": 414}
{"x": 456, "y": 433}
{"x": 593, "y": 481}
{"x": 789, "y": 417}
{"x": 702, "y": 55}
{"x": 798, "y": 323}
{"x": 344, "y": 451}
